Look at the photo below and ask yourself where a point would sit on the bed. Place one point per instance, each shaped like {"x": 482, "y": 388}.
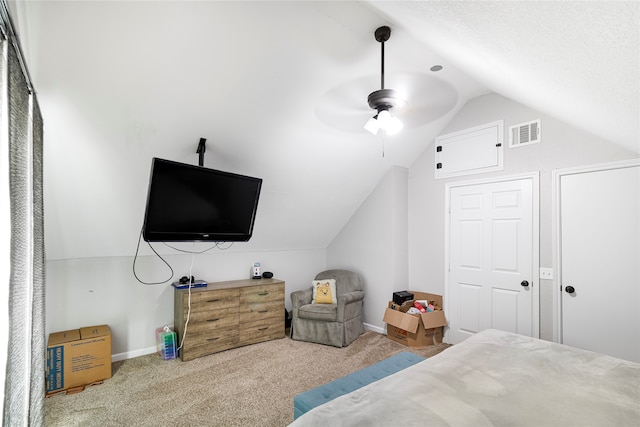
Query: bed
{"x": 495, "y": 378}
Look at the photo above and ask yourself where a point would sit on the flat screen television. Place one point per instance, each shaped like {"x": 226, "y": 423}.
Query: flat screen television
{"x": 194, "y": 203}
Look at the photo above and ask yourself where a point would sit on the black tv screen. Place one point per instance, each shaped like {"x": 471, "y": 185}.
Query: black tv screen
{"x": 194, "y": 203}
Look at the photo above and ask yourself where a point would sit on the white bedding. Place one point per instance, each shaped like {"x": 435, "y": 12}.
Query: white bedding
{"x": 495, "y": 378}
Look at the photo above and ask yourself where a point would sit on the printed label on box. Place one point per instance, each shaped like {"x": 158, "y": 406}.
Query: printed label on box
{"x": 55, "y": 368}
{"x": 400, "y": 332}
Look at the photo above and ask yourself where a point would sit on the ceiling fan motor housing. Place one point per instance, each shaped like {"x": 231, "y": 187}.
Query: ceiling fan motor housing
{"x": 384, "y": 99}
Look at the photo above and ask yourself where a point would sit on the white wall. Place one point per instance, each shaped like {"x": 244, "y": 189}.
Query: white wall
{"x": 561, "y": 146}
{"x": 99, "y": 290}
{"x": 90, "y": 291}
{"x": 395, "y": 241}
{"x": 373, "y": 243}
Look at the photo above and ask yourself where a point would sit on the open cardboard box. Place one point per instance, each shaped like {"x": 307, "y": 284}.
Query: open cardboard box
{"x": 415, "y": 330}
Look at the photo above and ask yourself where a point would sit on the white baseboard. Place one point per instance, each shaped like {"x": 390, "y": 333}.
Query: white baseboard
{"x": 144, "y": 351}
{"x": 131, "y": 354}
{"x": 374, "y": 328}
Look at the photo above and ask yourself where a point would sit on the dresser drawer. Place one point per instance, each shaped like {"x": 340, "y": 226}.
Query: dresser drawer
{"x": 261, "y": 311}
{"x": 198, "y": 344}
{"x": 211, "y": 300}
{"x": 212, "y": 319}
{"x": 261, "y": 293}
{"x": 261, "y": 331}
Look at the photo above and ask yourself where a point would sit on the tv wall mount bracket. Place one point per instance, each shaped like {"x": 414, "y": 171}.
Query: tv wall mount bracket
{"x": 201, "y": 149}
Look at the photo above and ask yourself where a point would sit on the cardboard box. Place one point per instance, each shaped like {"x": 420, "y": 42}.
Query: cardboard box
{"x": 78, "y": 358}
{"x": 415, "y": 330}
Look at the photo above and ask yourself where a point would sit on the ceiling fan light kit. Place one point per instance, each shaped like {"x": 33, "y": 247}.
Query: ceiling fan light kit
{"x": 383, "y": 100}
{"x": 385, "y": 121}
{"x": 372, "y": 125}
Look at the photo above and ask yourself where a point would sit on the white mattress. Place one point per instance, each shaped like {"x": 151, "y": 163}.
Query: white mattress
{"x": 495, "y": 378}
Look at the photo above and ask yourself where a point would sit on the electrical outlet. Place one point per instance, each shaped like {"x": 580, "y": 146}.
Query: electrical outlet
{"x": 546, "y": 273}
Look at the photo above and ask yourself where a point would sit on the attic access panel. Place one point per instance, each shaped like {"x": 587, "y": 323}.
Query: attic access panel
{"x": 470, "y": 151}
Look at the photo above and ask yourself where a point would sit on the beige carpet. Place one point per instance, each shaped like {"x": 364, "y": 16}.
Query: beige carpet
{"x": 248, "y": 386}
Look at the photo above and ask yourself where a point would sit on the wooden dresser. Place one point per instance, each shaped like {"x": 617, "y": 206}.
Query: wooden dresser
{"x": 229, "y": 314}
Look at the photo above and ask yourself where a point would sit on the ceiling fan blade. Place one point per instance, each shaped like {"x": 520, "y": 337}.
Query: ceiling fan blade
{"x": 427, "y": 99}
{"x": 345, "y": 106}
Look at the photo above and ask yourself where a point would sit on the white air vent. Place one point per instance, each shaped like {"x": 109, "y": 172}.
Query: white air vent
{"x": 524, "y": 134}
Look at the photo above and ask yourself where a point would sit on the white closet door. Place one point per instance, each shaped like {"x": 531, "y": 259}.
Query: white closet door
{"x": 600, "y": 261}
{"x": 491, "y": 259}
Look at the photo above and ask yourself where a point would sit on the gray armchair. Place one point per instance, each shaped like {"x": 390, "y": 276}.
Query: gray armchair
{"x": 331, "y": 324}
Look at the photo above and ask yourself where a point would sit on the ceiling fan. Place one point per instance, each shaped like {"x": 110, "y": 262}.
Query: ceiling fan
{"x": 418, "y": 97}
{"x": 384, "y": 100}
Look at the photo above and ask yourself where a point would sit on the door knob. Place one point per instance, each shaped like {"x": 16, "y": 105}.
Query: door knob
{"x": 569, "y": 289}
{"x": 524, "y": 283}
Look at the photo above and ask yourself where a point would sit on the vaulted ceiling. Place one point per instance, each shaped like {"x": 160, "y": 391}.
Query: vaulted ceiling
{"x": 279, "y": 90}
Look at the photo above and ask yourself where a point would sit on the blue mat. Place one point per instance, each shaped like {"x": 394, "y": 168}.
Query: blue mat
{"x": 308, "y": 400}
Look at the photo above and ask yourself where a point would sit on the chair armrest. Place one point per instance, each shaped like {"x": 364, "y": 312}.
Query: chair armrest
{"x": 346, "y": 299}
{"x": 298, "y": 299}
{"x": 350, "y": 297}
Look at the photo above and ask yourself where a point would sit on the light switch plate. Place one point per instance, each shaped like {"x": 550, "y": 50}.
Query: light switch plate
{"x": 546, "y": 273}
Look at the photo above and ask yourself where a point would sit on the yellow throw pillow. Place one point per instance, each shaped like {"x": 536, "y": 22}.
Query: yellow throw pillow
{"x": 324, "y": 292}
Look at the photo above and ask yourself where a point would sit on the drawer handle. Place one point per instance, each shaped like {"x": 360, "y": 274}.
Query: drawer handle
{"x": 263, "y": 293}
{"x": 263, "y": 311}
{"x": 213, "y": 300}
{"x": 213, "y": 320}
{"x": 263, "y": 329}
{"x": 213, "y": 339}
